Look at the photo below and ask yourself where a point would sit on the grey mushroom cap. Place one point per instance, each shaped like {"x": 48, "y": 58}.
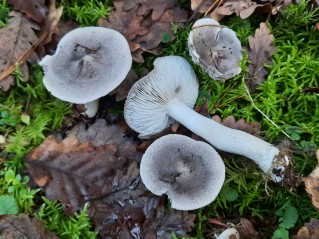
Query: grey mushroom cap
{"x": 190, "y": 172}
{"x": 215, "y": 48}
{"x": 89, "y": 63}
{"x": 171, "y": 79}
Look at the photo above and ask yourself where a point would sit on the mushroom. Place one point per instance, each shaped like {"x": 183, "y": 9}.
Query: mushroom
{"x": 190, "y": 172}
{"x": 89, "y": 63}
{"x": 169, "y": 92}
{"x": 229, "y": 233}
{"x": 215, "y": 48}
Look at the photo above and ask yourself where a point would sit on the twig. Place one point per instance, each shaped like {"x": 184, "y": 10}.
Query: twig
{"x": 254, "y": 105}
{"x": 23, "y": 57}
{"x": 213, "y": 5}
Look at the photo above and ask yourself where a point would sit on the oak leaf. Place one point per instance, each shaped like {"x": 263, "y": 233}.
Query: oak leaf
{"x": 312, "y": 184}
{"x": 248, "y": 127}
{"x": 34, "y": 9}
{"x": 135, "y": 20}
{"x": 16, "y": 40}
{"x": 230, "y": 121}
{"x": 144, "y": 7}
{"x": 201, "y": 6}
{"x": 126, "y": 22}
{"x": 309, "y": 231}
{"x": 22, "y": 226}
{"x": 156, "y": 7}
{"x": 242, "y": 8}
{"x": 246, "y": 229}
{"x": 260, "y": 53}
{"x": 99, "y": 165}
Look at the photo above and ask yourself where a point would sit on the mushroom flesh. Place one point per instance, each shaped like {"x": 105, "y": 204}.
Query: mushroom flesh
{"x": 169, "y": 92}
{"x": 89, "y": 62}
{"x": 190, "y": 172}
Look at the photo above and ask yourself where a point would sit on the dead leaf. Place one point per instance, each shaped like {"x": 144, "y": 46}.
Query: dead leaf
{"x": 201, "y": 5}
{"x": 51, "y": 22}
{"x": 248, "y": 127}
{"x": 126, "y": 22}
{"x": 309, "y": 231}
{"x": 156, "y": 7}
{"x": 22, "y": 226}
{"x": 312, "y": 184}
{"x": 122, "y": 90}
{"x": 135, "y": 22}
{"x": 16, "y": 40}
{"x": 246, "y": 229}
{"x": 144, "y": 7}
{"x": 34, "y": 9}
{"x": 242, "y": 8}
{"x": 261, "y": 50}
{"x": 99, "y": 165}
{"x": 162, "y": 26}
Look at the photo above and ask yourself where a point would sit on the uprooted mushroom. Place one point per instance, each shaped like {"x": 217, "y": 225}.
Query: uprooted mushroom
{"x": 89, "y": 63}
{"x": 169, "y": 92}
{"x": 190, "y": 172}
{"x": 215, "y": 48}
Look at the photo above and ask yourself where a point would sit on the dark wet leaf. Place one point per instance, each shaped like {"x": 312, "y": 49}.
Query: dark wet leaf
{"x": 261, "y": 50}
{"x": 143, "y": 22}
{"x": 99, "y": 165}
{"x": 16, "y": 40}
{"x": 34, "y": 9}
{"x": 22, "y": 226}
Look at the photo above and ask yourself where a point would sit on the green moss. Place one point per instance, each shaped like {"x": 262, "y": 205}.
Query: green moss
{"x": 246, "y": 193}
{"x": 76, "y": 227}
{"x": 85, "y": 12}
{"x": 30, "y": 99}
{"x": 4, "y": 13}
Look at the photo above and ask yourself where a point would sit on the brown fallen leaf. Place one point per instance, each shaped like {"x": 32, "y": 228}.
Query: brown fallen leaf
{"x": 242, "y": 8}
{"x": 261, "y": 50}
{"x": 230, "y": 121}
{"x": 249, "y": 127}
{"x": 34, "y": 9}
{"x": 157, "y": 7}
{"x": 246, "y": 229}
{"x": 16, "y": 39}
{"x": 122, "y": 90}
{"x": 312, "y": 184}
{"x": 99, "y": 165}
{"x": 50, "y": 25}
{"x": 22, "y": 226}
{"x": 201, "y": 6}
{"x": 309, "y": 231}
{"x": 135, "y": 20}
{"x": 126, "y": 22}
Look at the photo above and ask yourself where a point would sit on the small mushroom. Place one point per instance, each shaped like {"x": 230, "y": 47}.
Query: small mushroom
{"x": 215, "y": 48}
{"x": 89, "y": 63}
{"x": 169, "y": 92}
{"x": 229, "y": 233}
{"x": 190, "y": 172}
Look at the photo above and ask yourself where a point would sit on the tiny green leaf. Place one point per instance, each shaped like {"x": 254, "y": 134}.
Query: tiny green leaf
{"x": 8, "y": 205}
{"x": 166, "y": 37}
{"x": 25, "y": 119}
{"x": 9, "y": 176}
{"x": 281, "y": 233}
{"x": 289, "y": 218}
{"x": 230, "y": 194}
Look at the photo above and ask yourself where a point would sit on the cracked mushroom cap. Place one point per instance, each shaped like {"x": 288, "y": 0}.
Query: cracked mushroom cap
{"x": 89, "y": 63}
{"x": 145, "y": 107}
{"x": 215, "y": 48}
{"x": 190, "y": 172}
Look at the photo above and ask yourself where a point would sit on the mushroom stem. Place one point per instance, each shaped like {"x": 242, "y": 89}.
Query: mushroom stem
{"x": 91, "y": 108}
{"x": 264, "y": 154}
